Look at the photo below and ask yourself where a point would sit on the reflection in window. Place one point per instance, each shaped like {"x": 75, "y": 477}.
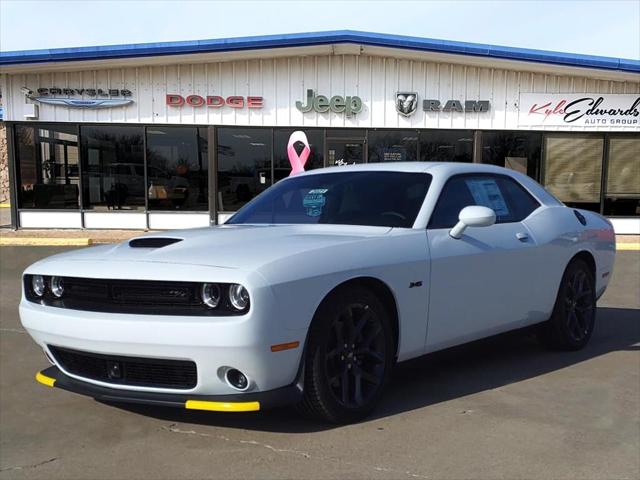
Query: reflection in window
{"x": 507, "y": 198}
{"x": 113, "y": 167}
{"x": 622, "y": 194}
{"x": 573, "y": 168}
{"x": 518, "y": 151}
{"x": 281, "y": 164}
{"x": 177, "y": 167}
{"x": 47, "y": 160}
{"x": 393, "y": 146}
{"x": 446, "y": 146}
{"x": 391, "y": 199}
{"x": 244, "y": 165}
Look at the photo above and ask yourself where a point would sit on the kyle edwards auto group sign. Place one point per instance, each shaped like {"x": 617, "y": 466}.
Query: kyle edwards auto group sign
{"x": 579, "y": 109}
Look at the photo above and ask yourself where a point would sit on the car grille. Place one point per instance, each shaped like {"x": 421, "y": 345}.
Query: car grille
{"x": 141, "y": 372}
{"x": 146, "y": 297}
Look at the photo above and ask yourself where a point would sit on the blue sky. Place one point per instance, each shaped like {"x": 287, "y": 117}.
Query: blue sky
{"x": 610, "y": 28}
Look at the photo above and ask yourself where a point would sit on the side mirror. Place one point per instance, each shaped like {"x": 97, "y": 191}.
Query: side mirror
{"x": 474, "y": 216}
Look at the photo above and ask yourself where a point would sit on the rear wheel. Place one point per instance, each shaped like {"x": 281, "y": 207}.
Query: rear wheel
{"x": 573, "y": 319}
{"x": 349, "y": 356}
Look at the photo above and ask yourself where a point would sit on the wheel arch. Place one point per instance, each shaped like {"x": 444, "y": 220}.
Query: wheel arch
{"x": 588, "y": 258}
{"x": 382, "y": 291}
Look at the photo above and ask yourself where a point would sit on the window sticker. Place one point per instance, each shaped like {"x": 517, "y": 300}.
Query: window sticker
{"x": 314, "y": 200}
{"x": 487, "y": 193}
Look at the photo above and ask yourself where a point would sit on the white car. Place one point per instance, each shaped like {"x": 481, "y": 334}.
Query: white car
{"x": 313, "y": 291}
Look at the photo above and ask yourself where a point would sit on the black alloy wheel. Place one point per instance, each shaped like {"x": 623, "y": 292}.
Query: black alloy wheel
{"x": 579, "y": 305}
{"x": 349, "y": 356}
{"x": 355, "y": 357}
{"x": 573, "y": 319}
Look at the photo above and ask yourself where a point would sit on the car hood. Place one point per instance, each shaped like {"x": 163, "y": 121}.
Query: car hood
{"x": 229, "y": 246}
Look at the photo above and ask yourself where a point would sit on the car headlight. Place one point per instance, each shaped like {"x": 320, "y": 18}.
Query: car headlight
{"x": 38, "y": 285}
{"x": 211, "y": 295}
{"x": 57, "y": 286}
{"x": 238, "y": 296}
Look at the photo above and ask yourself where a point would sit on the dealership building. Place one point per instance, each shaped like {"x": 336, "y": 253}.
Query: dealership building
{"x": 182, "y": 134}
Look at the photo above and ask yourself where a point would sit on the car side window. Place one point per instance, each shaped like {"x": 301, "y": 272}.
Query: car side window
{"x": 502, "y": 194}
{"x": 519, "y": 199}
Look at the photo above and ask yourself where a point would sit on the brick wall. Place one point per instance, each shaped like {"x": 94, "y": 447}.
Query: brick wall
{"x": 4, "y": 165}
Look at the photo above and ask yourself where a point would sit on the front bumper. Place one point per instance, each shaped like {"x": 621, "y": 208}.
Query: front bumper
{"x": 213, "y": 344}
{"x": 245, "y": 402}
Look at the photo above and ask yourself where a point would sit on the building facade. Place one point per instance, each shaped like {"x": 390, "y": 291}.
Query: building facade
{"x": 183, "y": 134}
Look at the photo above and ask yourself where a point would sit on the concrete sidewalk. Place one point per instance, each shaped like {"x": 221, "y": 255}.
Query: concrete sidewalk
{"x": 64, "y": 237}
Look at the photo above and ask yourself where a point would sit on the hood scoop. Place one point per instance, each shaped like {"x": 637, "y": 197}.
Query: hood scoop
{"x": 153, "y": 242}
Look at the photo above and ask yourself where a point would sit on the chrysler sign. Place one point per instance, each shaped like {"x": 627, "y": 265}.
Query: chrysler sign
{"x": 68, "y": 97}
{"x": 579, "y": 109}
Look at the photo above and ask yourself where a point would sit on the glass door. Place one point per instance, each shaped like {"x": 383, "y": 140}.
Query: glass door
{"x": 345, "y": 151}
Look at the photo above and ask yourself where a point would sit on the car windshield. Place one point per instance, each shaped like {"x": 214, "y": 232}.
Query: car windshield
{"x": 385, "y": 199}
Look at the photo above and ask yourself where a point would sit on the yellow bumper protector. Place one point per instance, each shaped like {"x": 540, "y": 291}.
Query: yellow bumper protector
{"x": 43, "y": 379}
{"x": 222, "y": 406}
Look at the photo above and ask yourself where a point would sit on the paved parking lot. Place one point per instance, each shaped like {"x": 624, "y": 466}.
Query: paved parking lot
{"x": 500, "y": 408}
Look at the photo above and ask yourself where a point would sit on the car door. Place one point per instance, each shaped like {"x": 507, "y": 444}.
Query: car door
{"x": 480, "y": 283}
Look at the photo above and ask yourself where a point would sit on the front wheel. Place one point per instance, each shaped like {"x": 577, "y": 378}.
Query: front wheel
{"x": 349, "y": 356}
{"x": 573, "y": 319}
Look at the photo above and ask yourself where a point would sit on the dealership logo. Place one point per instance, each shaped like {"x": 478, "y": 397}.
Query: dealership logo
{"x": 214, "y": 101}
{"x": 64, "y": 97}
{"x": 473, "y": 106}
{"x": 583, "y": 107}
{"x": 406, "y": 103}
{"x": 579, "y": 109}
{"x": 337, "y": 104}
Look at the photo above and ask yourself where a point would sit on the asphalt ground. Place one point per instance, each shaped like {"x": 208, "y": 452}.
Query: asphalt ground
{"x": 498, "y": 408}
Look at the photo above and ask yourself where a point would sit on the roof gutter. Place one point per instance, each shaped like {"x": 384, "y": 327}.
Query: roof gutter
{"x": 311, "y": 39}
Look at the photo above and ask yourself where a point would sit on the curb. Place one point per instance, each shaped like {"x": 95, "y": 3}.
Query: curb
{"x": 5, "y": 205}
{"x": 628, "y": 246}
{"x": 45, "y": 242}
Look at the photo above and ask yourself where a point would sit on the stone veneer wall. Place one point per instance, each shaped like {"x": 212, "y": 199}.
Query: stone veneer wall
{"x": 4, "y": 165}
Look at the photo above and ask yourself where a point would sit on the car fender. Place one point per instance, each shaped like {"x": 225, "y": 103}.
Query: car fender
{"x": 301, "y": 282}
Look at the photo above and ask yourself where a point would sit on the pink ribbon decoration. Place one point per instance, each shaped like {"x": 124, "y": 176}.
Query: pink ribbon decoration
{"x": 298, "y": 161}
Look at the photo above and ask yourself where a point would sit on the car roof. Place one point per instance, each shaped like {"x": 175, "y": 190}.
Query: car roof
{"x": 442, "y": 171}
{"x": 439, "y": 168}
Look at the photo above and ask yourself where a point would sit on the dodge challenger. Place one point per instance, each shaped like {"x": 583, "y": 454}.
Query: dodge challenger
{"x": 313, "y": 291}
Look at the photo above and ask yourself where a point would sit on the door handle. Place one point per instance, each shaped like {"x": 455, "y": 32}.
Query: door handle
{"x": 522, "y": 236}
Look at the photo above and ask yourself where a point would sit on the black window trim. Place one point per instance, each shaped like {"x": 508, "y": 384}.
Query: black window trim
{"x": 483, "y": 174}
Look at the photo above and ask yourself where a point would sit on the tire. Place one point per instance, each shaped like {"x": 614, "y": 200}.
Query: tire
{"x": 344, "y": 384}
{"x": 574, "y": 313}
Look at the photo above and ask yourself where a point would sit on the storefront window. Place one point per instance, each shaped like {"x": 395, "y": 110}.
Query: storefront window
{"x": 622, "y": 194}
{"x": 281, "y": 163}
{"x": 518, "y": 151}
{"x": 177, "y": 166}
{"x": 393, "y": 145}
{"x": 244, "y": 165}
{"x": 573, "y": 168}
{"x": 47, "y": 164}
{"x": 446, "y": 145}
{"x": 113, "y": 167}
